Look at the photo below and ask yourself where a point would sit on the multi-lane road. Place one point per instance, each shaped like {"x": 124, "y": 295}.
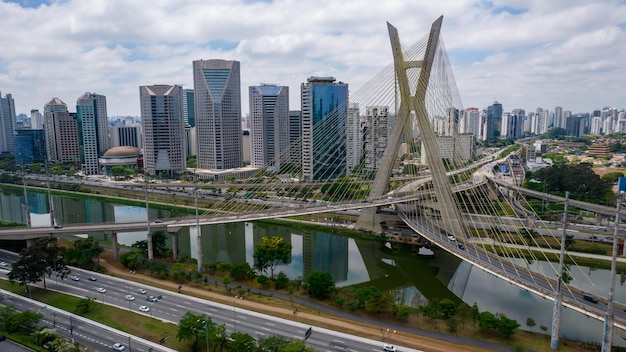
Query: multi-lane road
{"x": 170, "y": 308}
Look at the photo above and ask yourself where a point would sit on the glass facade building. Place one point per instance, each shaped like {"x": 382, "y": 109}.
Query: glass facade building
{"x": 269, "y": 125}
{"x": 324, "y": 113}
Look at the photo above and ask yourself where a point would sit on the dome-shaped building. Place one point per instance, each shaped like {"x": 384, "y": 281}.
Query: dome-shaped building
{"x": 126, "y": 156}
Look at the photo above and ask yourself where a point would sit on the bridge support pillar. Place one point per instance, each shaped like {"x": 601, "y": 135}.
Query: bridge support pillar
{"x": 174, "y": 238}
{"x": 599, "y": 218}
{"x": 30, "y": 242}
{"x": 369, "y": 220}
{"x": 114, "y": 246}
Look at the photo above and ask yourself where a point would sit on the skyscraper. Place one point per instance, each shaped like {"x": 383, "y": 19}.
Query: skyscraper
{"x": 30, "y": 146}
{"x": 189, "y": 115}
{"x": 7, "y": 124}
{"x": 93, "y": 130}
{"x": 163, "y": 127}
{"x": 375, "y": 133}
{"x": 295, "y": 132}
{"x": 217, "y": 100}
{"x": 324, "y": 110}
{"x": 36, "y": 119}
{"x": 354, "y": 134}
{"x": 494, "y": 121}
{"x": 269, "y": 125}
{"x": 50, "y": 110}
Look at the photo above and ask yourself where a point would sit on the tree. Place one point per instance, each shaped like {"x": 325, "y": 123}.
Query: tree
{"x": 133, "y": 260}
{"x": 319, "y": 284}
{"x": 530, "y": 322}
{"x": 487, "y": 321}
{"x": 84, "y": 305}
{"x": 272, "y": 343}
{"x": 38, "y": 261}
{"x": 507, "y": 326}
{"x": 192, "y": 327}
{"x": 241, "y": 272}
{"x": 447, "y": 308}
{"x": 22, "y": 322}
{"x": 241, "y": 342}
{"x": 271, "y": 252}
{"x": 85, "y": 253}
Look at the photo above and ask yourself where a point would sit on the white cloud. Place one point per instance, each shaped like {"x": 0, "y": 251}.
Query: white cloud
{"x": 525, "y": 53}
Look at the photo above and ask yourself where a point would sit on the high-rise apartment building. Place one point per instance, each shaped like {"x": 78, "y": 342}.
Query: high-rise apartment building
{"x": 472, "y": 123}
{"x": 269, "y": 125}
{"x": 66, "y": 137}
{"x": 7, "y": 124}
{"x": 217, "y": 100}
{"x": 93, "y": 130}
{"x": 494, "y": 121}
{"x": 54, "y": 106}
{"x": 324, "y": 110}
{"x": 163, "y": 127}
{"x": 354, "y": 133}
{"x": 375, "y": 133}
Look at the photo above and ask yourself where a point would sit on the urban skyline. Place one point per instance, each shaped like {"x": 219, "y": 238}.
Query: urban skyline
{"x": 526, "y": 55}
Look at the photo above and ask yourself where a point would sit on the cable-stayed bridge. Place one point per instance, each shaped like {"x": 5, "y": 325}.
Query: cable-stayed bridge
{"x": 406, "y": 120}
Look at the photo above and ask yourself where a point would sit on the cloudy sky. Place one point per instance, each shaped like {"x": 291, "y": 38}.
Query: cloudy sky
{"x": 524, "y": 53}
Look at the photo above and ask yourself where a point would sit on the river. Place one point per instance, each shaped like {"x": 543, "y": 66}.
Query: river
{"x": 393, "y": 268}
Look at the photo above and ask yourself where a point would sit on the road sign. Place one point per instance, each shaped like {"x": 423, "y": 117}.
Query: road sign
{"x": 308, "y": 333}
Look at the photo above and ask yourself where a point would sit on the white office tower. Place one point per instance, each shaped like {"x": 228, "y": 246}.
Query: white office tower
{"x": 93, "y": 130}
{"x": 621, "y": 122}
{"x": 354, "y": 129}
{"x": 36, "y": 120}
{"x": 473, "y": 123}
{"x": 559, "y": 120}
{"x": 217, "y": 98}
{"x": 596, "y": 125}
{"x": 269, "y": 126}
{"x": 7, "y": 124}
{"x": 163, "y": 127}
{"x": 52, "y": 108}
{"x": 375, "y": 136}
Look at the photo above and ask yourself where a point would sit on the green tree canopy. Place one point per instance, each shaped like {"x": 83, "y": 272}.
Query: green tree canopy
{"x": 85, "y": 253}
{"x": 319, "y": 284}
{"x": 271, "y": 252}
{"x": 39, "y": 260}
{"x": 578, "y": 179}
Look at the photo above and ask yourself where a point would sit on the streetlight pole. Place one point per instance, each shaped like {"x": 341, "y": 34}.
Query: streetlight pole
{"x": 234, "y": 313}
{"x": 607, "y": 336}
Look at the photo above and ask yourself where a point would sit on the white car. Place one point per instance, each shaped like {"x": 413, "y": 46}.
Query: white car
{"x": 75, "y": 278}
{"x": 130, "y": 297}
{"x": 389, "y": 348}
{"x": 144, "y": 309}
{"x": 451, "y": 238}
{"x": 101, "y": 290}
{"x": 141, "y": 291}
{"x": 4, "y": 264}
{"x": 119, "y": 347}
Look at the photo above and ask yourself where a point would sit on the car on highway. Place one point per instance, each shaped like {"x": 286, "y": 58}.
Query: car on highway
{"x": 608, "y": 239}
{"x": 93, "y": 278}
{"x": 144, "y": 309}
{"x": 4, "y": 264}
{"x": 141, "y": 291}
{"x": 158, "y": 221}
{"x": 590, "y": 298}
{"x": 130, "y": 297}
{"x": 101, "y": 290}
{"x": 151, "y": 298}
{"x": 389, "y": 348}
{"x": 75, "y": 278}
{"x": 451, "y": 238}
{"x": 461, "y": 246}
{"x": 119, "y": 347}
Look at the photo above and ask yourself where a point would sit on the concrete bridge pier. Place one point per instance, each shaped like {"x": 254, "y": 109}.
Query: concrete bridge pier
{"x": 30, "y": 242}
{"x": 114, "y": 245}
{"x": 174, "y": 237}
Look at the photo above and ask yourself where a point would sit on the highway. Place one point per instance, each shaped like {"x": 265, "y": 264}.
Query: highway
{"x": 170, "y": 308}
{"x": 515, "y": 274}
